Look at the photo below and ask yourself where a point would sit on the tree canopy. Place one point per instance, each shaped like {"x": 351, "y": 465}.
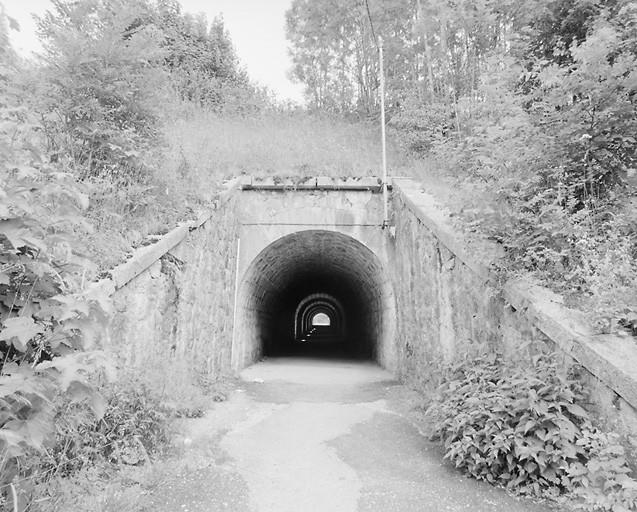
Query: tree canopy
{"x": 531, "y": 102}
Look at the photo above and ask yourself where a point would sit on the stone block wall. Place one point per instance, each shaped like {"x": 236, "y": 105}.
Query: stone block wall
{"x": 445, "y": 309}
{"x": 173, "y": 300}
{"x": 449, "y": 305}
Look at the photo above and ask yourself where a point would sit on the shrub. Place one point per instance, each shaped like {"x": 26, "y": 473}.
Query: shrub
{"x": 135, "y": 426}
{"x": 49, "y": 318}
{"x": 99, "y": 91}
{"x": 603, "y": 481}
{"x": 524, "y": 427}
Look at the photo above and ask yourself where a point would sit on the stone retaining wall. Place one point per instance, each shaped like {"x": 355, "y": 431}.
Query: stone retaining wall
{"x": 449, "y": 304}
{"x": 173, "y": 299}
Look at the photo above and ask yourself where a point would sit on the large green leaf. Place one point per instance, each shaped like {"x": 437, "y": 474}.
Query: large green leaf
{"x": 18, "y": 331}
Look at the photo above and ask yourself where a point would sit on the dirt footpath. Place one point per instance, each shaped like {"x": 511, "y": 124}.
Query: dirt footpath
{"x": 319, "y": 436}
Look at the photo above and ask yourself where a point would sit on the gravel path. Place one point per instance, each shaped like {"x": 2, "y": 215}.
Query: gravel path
{"x": 319, "y": 436}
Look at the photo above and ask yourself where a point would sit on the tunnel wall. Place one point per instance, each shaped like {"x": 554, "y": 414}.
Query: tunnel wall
{"x": 449, "y": 304}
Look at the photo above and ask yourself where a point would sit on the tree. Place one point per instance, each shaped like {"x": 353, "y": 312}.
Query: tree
{"x": 434, "y": 48}
{"x": 200, "y": 57}
{"x": 99, "y": 86}
{"x": 7, "y": 55}
{"x": 323, "y": 36}
{"x": 48, "y": 320}
{"x": 590, "y": 105}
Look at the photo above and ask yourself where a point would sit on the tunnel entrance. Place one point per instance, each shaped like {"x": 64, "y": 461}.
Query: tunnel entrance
{"x": 319, "y": 319}
{"x": 314, "y": 293}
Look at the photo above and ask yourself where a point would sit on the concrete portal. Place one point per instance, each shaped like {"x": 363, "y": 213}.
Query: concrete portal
{"x": 303, "y": 253}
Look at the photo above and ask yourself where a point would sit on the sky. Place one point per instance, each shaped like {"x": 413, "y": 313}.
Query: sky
{"x": 257, "y": 28}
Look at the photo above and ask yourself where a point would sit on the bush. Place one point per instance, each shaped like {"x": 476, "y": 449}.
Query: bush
{"x": 49, "y": 319}
{"x": 135, "y": 426}
{"x": 99, "y": 94}
{"x": 603, "y": 482}
{"x": 525, "y": 428}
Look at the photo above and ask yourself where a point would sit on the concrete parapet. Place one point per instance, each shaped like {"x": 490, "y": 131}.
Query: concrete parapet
{"x": 507, "y": 316}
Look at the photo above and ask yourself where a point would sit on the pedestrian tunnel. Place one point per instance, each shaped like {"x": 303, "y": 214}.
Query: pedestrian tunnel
{"x": 319, "y": 319}
{"x": 316, "y": 293}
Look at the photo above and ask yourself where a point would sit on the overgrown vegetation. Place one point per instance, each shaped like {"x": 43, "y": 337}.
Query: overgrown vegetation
{"x": 273, "y": 144}
{"x": 526, "y": 110}
{"x": 525, "y": 428}
{"x": 137, "y": 111}
{"x": 49, "y": 318}
{"x": 89, "y": 124}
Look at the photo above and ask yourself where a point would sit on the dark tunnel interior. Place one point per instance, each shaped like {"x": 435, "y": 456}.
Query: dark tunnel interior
{"x": 315, "y": 293}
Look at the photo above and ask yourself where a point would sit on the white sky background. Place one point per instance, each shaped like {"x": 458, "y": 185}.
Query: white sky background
{"x": 257, "y": 29}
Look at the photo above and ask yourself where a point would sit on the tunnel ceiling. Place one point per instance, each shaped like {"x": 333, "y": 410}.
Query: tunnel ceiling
{"x": 314, "y": 262}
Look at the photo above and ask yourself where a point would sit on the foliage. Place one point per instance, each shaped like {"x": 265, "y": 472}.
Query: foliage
{"x": 102, "y": 489}
{"x": 134, "y": 426}
{"x": 525, "y": 428}
{"x": 550, "y": 147}
{"x": 514, "y": 427}
{"x": 433, "y": 48}
{"x": 526, "y": 109}
{"x": 335, "y": 55}
{"x": 112, "y": 75}
{"x": 589, "y": 108}
{"x": 203, "y": 66}
{"x": 7, "y": 55}
{"x": 206, "y": 148}
{"x": 603, "y": 481}
{"x": 48, "y": 319}
{"x": 559, "y": 25}
{"x": 97, "y": 91}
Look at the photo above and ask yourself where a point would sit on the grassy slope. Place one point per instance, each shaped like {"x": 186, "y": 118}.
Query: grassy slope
{"x": 202, "y": 149}
{"x": 273, "y": 144}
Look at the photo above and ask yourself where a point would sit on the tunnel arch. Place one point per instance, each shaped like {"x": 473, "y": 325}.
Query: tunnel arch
{"x": 319, "y": 304}
{"x": 308, "y": 272}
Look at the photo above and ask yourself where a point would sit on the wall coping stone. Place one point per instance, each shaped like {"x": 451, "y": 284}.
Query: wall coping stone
{"x": 612, "y": 358}
{"x": 429, "y": 211}
{"x": 372, "y": 184}
{"x": 143, "y": 257}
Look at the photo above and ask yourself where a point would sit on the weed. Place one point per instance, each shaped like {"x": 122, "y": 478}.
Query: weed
{"x": 524, "y": 427}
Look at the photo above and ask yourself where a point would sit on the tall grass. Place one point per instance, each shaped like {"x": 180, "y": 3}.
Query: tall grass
{"x": 204, "y": 148}
{"x": 201, "y": 149}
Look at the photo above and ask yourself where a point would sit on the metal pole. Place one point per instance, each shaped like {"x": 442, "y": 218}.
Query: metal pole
{"x": 382, "y": 127}
{"x": 235, "y": 313}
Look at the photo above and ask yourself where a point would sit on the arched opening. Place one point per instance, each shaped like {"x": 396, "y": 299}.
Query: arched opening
{"x": 319, "y": 317}
{"x": 321, "y": 320}
{"x": 314, "y": 293}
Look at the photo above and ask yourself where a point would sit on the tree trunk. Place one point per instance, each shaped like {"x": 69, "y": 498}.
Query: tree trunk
{"x": 425, "y": 40}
